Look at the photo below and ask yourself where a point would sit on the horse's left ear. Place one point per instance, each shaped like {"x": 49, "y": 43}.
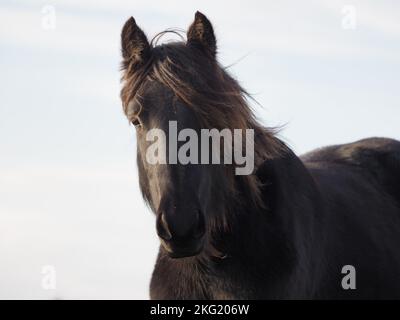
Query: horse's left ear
{"x": 201, "y": 34}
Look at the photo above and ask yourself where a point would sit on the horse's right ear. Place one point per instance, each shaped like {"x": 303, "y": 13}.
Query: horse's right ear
{"x": 134, "y": 43}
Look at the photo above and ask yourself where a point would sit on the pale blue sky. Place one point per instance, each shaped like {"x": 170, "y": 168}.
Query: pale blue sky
{"x": 68, "y": 185}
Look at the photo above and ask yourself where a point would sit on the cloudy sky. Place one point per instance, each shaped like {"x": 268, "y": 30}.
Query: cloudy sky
{"x": 327, "y": 70}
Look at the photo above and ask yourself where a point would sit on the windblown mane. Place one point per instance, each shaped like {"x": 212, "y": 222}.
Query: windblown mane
{"x": 201, "y": 83}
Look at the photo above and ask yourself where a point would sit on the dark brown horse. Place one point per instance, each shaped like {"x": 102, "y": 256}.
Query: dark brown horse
{"x": 287, "y": 230}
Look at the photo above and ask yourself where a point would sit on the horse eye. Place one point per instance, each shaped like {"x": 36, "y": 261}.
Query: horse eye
{"x": 136, "y": 122}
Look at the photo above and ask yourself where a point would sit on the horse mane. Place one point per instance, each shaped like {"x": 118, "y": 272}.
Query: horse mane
{"x": 203, "y": 85}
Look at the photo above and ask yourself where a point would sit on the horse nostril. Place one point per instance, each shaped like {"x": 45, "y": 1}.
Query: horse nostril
{"x": 181, "y": 230}
{"x": 162, "y": 228}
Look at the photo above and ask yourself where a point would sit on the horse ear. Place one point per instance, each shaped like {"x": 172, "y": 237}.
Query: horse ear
{"x": 201, "y": 33}
{"x": 134, "y": 43}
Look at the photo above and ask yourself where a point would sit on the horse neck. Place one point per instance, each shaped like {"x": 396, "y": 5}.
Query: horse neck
{"x": 287, "y": 221}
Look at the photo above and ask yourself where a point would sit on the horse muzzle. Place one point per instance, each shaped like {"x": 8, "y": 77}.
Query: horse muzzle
{"x": 181, "y": 242}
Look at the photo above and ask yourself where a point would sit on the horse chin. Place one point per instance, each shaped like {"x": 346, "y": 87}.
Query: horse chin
{"x": 183, "y": 254}
{"x": 179, "y": 252}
